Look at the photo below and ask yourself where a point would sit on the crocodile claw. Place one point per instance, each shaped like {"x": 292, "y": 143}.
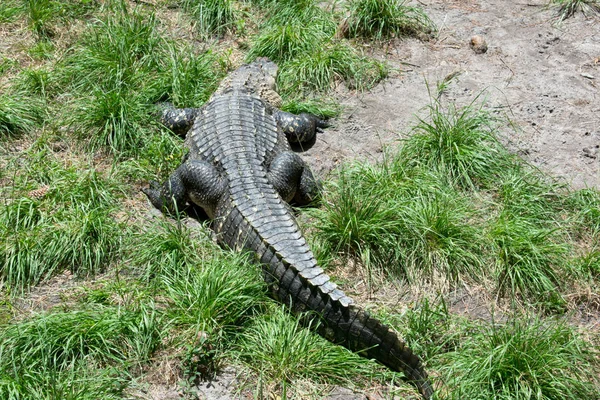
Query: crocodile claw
{"x": 153, "y": 191}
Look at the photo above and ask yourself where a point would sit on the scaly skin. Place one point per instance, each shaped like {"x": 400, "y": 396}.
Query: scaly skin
{"x": 241, "y": 171}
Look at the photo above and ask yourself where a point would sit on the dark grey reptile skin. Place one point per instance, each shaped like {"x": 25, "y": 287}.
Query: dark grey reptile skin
{"x": 241, "y": 171}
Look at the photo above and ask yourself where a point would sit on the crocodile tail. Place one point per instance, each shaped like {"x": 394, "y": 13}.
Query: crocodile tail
{"x": 353, "y": 328}
{"x": 356, "y": 330}
{"x": 295, "y": 279}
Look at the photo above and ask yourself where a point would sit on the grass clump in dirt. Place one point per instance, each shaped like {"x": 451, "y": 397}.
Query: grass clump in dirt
{"x": 44, "y": 17}
{"x": 531, "y": 261}
{"x": 300, "y": 37}
{"x": 428, "y": 328}
{"x": 283, "y": 355}
{"x": 459, "y": 142}
{"x": 567, "y": 8}
{"x": 522, "y": 360}
{"x": 9, "y": 9}
{"x": 55, "y": 218}
{"x": 322, "y": 68}
{"x": 383, "y": 19}
{"x": 75, "y": 354}
{"x": 585, "y": 203}
{"x": 211, "y": 16}
{"x": 402, "y": 223}
{"x": 109, "y": 75}
{"x": 205, "y": 286}
{"x": 292, "y": 29}
{"x": 208, "y": 293}
{"x": 450, "y": 204}
{"x": 20, "y": 112}
{"x": 118, "y": 72}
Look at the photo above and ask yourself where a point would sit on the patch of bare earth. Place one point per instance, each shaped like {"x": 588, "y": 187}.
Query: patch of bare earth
{"x": 543, "y": 77}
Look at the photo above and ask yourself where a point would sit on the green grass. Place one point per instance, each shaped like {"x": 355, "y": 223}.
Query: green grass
{"x": 204, "y": 283}
{"x": 119, "y": 70}
{"x": 211, "y": 16}
{"x": 323, "y": 108}
{"x": 522, "y": 360}
{"x": 37, "y": 245}
{"x": 46, "y": 17}
{"x": 84, "y": 381}
{"x": 585, "y": 203}
{"x": 459, "y": 141}
{"x": 406, "y": 225}
{"x": 428, "y": 328}
{"x": 382, "y": 19}
{"x": 530, "y": 260}
{"x": 589, "y": 264}
{"x": 328, "y": 65}
{"x": 300, "y": 37}
{"x": 284, "y": 41}
{"x": 35, "y": 81}
{"x": 9, "y": 9}
{"x": 20, "y": 112}
{"x": 74, "y": 354}
{"x": 453, "y": 206}
{"x": 108, "y": 76}
{"x": 282, "y": 354}
{"x": 68, "y": 227}
{"x": 567, "y": 8}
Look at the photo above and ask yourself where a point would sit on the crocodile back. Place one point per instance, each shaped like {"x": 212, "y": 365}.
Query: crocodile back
{"x": 232, "y": 126}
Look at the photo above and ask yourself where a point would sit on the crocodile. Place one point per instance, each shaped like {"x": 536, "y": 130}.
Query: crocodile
{"x": 241, "y": 171}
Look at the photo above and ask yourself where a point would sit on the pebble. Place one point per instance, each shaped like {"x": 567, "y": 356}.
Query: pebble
{"x": 478, "y": 44}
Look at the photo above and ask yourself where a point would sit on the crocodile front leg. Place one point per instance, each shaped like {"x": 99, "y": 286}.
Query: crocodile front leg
{"x": 178, "y": 120}
{"x": 299, "y": 128}
{"x": 196, "y": 181}
{"x": 293, "y": 179}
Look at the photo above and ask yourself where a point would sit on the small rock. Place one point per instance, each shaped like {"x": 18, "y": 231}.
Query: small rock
{"x": 478, "y": 44}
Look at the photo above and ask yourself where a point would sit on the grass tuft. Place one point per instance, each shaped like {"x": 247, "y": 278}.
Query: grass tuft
{"x": 567, "y": 8}
{"x": 406, "y": 225}
{"x": 9, "y": 10}
{"x": 320, "y": 107}
{"x": 206, "y": 287}
{"x": 278, "y": 349}
{"x": 64, "y": 223}
{"x": 283, "y": 42}
{"x": 20, "y": 113}
{"x": 461, "y": 142}
{"x": 529, "y": 259}
{"x": 321, "y": 69}
{"x": 585, "y": 203}
{"x": 382, "y": 19}
{"x": 428, "y": 328}
{"x": 522, "y": 360}
{"x": 51, "y": 353}
{"x": 211, "y": 16}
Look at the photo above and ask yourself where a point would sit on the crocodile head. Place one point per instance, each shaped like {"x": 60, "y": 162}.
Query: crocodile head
{"x": 257, "y": 78}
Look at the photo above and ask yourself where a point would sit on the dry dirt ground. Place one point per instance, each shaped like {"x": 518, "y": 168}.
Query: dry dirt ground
{"x": 542, "y": 78}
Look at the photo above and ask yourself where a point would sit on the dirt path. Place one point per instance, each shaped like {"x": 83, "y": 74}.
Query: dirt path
{"x": 542, "y": 76}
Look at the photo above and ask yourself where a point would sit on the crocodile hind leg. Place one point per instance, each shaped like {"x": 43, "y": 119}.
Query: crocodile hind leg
{"x": 178, "y": 120}
{"x": 293, "y": 179}
{"x": 300, "y": 128}
{"x": 195, "y": 181}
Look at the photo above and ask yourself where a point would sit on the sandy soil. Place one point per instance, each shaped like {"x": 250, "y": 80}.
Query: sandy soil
{"x": 541, "y": 76}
